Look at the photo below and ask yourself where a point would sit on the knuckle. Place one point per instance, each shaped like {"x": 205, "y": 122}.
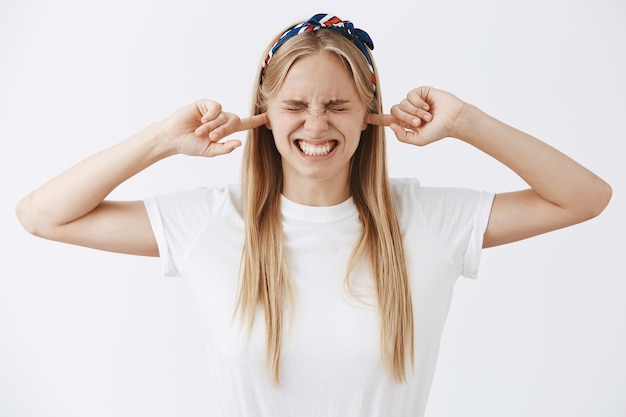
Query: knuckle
{"x": 214, "y": 106}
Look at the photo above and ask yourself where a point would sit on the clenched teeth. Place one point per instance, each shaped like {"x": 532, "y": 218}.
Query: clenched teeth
{"x": 316, "y": 150}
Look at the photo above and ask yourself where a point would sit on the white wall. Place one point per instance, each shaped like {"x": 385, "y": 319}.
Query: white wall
{"x": 87, "y": 333}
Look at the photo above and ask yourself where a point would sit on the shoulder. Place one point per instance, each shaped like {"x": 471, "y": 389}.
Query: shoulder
{"x": 412, "y": 191}
{"x": 437, "y": 203}
{"x": 451, "y": 219}
{"x": 200, "y": 202}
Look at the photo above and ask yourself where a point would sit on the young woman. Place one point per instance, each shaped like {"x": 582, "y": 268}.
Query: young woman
{"x": 322, "y": 285}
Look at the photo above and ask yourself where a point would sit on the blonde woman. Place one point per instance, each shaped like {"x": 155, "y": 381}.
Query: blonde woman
{"x": 323, "y": 286}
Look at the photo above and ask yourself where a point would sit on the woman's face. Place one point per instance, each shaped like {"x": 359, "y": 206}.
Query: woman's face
{"x": 316, "y": 118}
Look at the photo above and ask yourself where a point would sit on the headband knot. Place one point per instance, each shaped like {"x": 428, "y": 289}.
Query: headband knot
{"x": 358, "y": 36}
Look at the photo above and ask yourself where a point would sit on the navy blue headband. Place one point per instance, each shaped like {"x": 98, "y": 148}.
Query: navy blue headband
{"x": 359, "y": 37}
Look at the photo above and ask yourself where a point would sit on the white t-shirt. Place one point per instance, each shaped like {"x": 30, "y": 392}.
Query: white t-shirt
{"x": 330, "y": 359}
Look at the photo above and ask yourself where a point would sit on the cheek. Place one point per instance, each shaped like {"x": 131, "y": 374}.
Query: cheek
{"x": 350, "y": 126}
{"x": 282, "y": 124}
{"x": 282, "y": 130}
{"x": 281, "y": 133}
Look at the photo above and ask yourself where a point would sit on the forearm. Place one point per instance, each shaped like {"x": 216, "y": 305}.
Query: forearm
{"x": 551, "y": 174}
{"x": 82, "y": 188}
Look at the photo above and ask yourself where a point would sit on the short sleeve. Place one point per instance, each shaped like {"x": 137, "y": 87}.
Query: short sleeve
{"x": 452, "y": 219}
{"x": 177, "y": 219}
{"x": 475, "y": 242}
{"x": 154, "y": 214}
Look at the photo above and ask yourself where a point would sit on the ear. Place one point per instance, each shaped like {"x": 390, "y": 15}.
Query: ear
{"x": 267, "y": 123}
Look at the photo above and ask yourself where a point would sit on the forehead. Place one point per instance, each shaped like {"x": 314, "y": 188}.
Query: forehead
{"x": 323, "y": 75}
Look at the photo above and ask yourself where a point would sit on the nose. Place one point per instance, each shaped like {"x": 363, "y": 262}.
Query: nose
{"x": 315, "y": 123}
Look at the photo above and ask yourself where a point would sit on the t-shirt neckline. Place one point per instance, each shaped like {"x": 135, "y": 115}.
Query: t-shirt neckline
{"x": 317, "y": 214}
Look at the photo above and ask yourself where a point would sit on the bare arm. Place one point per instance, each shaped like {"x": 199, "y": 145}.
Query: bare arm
{"x": 72, "y": 208}
{"x": 562, "y": 192}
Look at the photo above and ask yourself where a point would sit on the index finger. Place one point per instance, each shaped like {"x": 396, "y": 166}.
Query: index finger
{"x": 253, "y": 122}
{"x": 380, "y": 119}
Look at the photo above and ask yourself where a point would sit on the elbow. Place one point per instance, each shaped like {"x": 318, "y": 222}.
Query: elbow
{"x": 598, "y": 200}
{"x": 607, "y": 193}
{"x": 27, "y": 216}
{"x": 22, "y": 211}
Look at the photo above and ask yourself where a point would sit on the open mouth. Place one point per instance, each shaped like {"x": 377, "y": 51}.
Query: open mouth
{"x": 316, "y": 149}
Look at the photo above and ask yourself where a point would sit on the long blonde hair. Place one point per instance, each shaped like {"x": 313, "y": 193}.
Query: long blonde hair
{"x": 265, "y": 279}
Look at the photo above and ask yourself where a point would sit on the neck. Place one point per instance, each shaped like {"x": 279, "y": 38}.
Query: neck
{"x": 317, "y": 193}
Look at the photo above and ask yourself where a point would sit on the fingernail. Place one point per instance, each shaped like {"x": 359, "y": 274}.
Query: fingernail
{"x": 416, "y": 121}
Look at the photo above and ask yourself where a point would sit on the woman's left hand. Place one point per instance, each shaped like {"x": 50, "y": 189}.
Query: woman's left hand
{"x": 427, "y": 115}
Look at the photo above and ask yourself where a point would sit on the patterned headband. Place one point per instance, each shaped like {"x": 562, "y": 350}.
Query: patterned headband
{"x": 359, "y": 37}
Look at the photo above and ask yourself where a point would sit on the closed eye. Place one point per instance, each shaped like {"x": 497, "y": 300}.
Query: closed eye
{"x": 294, "y": 105}
{"x": 337, "y": 106}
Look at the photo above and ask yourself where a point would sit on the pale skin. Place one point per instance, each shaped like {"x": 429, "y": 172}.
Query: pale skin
{"x": 72, "y": 207}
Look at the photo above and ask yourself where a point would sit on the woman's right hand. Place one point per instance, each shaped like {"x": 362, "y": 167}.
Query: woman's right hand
{"x": 71, "y": 207}
{"x": 199, "y": 127}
